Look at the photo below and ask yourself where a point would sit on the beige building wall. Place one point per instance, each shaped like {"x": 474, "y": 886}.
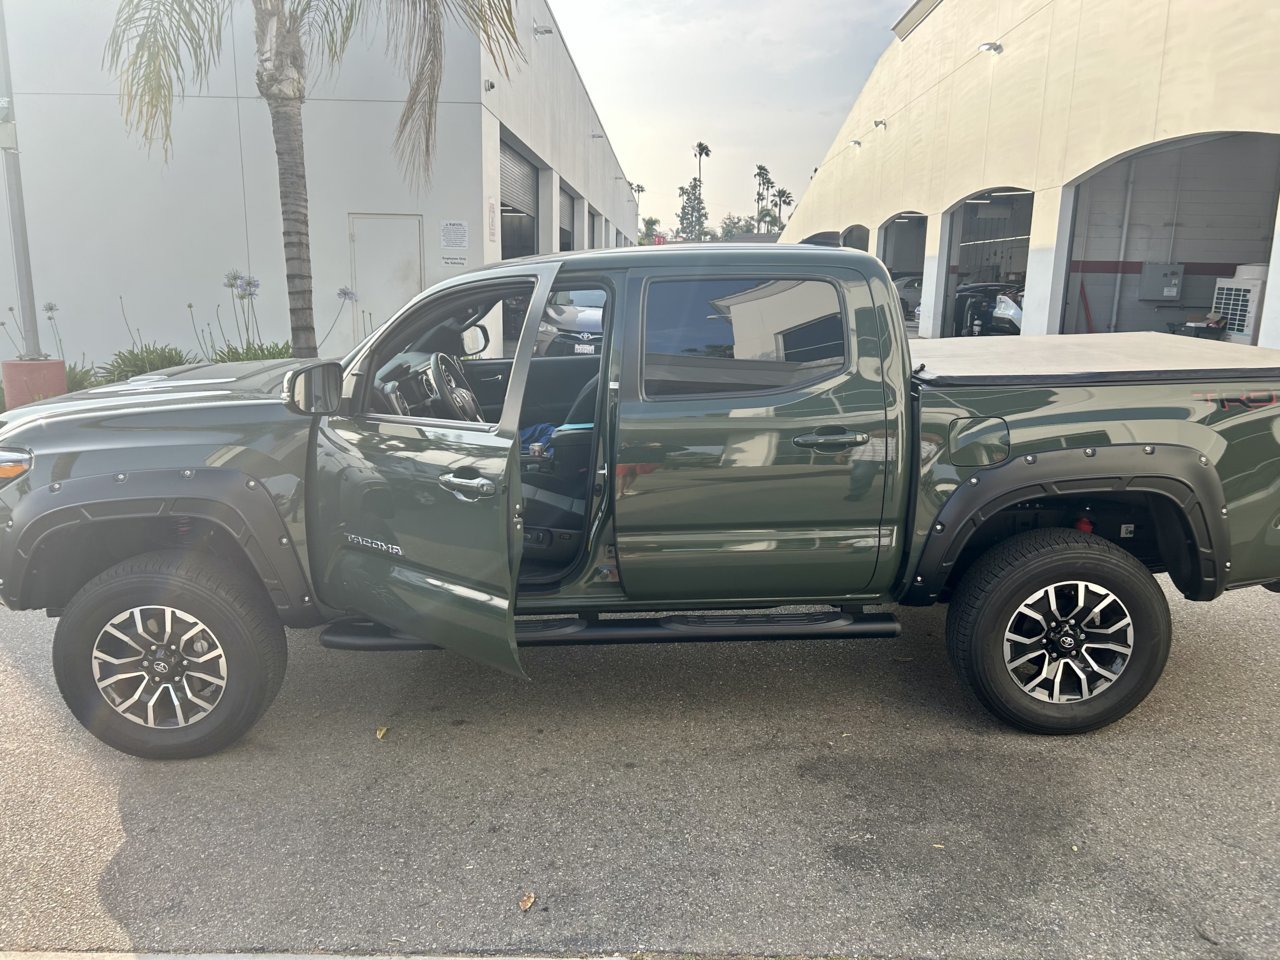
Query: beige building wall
{"x": 1076, "y": 85}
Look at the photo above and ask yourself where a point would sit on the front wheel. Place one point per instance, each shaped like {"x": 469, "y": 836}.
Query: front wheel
{"x": 1058, "y": 631}
{"x": 169, "y": 654}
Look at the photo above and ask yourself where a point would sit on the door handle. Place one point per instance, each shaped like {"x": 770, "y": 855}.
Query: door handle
{"x": 829, "y": 442}
{"x": 468, "y": 488}
{"x": 496, "y": 378}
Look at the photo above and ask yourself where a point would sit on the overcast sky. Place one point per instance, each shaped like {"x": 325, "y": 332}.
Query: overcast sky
{"x": 761, "y": 81}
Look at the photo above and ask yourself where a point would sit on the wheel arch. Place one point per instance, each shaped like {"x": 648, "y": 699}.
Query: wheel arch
{"x": 1174, "y": 489}
{"x": 66, "y": 533}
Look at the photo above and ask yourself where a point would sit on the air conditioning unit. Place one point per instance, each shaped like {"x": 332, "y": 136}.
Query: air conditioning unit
{"x": 1238, "y": 300}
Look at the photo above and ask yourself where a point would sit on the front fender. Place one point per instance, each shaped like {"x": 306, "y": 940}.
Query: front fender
{"x": 1181, "y": 475}
{"x": 234, "y": 501}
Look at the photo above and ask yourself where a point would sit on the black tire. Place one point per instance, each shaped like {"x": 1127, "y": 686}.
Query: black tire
{"x": 1009, "y": 575}
{"x": 236, "y": 610}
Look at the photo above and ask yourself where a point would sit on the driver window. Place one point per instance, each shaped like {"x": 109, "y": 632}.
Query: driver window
{"x": 420, "y": 369}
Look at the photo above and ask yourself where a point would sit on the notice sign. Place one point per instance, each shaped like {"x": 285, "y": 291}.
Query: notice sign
{"x": 447, "y": 260}
{"x": 454, "y": 235}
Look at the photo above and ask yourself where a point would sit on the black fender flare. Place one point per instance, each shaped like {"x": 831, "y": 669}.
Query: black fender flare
{"x": 240, "y": 505}
{"x": 1184, "y": 477}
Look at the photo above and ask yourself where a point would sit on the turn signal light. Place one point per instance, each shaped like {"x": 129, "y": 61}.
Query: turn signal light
{"x": 13, "y": 464}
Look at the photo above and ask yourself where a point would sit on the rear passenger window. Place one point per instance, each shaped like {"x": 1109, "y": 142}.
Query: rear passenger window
{"x": 706, "y": 337}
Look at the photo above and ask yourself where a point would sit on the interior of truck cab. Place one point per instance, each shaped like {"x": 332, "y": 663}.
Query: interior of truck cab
{"x": 436, "y": 368}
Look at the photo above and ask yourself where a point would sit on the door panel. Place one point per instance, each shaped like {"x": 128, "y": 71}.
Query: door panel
{"x": 776, "y": 493}
{"x": 409, "y": 552}
{"x": 418, "y": 521}
{"x": 553, "y": 384}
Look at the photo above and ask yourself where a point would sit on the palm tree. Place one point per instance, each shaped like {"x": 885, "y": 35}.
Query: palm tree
{"x": 783, "y": 198}
{"x": 159, "y": 47}
{"x": 701, "y": 150}
{"x": 638, "y": 188}
{"x": 764, "y": 183}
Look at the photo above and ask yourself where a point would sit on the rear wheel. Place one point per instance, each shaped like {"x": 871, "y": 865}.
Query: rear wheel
{"x": 1058, "y": 631}
{"x": 169, "y": 655}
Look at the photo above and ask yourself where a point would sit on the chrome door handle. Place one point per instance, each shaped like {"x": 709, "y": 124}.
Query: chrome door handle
{"x": 496, "y": 378}
{"x": 830, "y": 442}
{"x": 468, "y": 488}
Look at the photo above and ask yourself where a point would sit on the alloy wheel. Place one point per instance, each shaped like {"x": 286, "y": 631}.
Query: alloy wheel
{"x": 1068, "y": 642}
{"x": 159, "y": 667}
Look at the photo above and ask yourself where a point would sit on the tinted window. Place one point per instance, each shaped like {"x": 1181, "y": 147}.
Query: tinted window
{"x": 735, "y": 336}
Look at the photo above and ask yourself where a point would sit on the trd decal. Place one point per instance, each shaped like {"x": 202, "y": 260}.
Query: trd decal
{"x": 1253, "y": 400}
{"x": 390, "y": 548}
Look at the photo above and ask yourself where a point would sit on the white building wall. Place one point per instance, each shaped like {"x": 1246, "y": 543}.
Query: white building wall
{"x": 1079, "y": 84}
{"x": 108, "y": 219}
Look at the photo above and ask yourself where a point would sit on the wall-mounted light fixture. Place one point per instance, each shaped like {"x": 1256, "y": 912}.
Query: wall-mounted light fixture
{"x": 489, "y": 85}
{"x": 991, "y": 46}
{"x": 1009, "y": 193}
{"x": 855, "y": 143}
{"x": 541, "y": 31}
{"x": 879, "y": 123}
{"x": 975, "y": 200}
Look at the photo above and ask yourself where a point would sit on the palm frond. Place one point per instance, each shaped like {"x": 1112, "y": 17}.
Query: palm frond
{"x": 415, "y": 37}
{"x": 158, "y": 48}
{"x": 325, "y": 27}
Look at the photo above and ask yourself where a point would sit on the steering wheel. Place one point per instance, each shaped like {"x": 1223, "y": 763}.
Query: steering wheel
{"x": 452, "y": 389}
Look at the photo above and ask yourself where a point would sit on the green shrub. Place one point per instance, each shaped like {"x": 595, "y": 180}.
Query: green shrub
{"x": 143, "y": 358}
{"x": 230, "y": 353}
{"x": 81, "y": 377}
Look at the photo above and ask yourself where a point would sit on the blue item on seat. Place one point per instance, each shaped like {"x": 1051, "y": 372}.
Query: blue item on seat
{"x": 537, "y": 433}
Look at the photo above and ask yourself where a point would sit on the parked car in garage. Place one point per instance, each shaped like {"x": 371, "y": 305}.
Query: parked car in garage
{"x": 908, "y": 293}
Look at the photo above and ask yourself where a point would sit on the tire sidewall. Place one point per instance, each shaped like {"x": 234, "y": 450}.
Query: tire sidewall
{"x": 98, "y": 604}
{"x": 1147, "y": 608}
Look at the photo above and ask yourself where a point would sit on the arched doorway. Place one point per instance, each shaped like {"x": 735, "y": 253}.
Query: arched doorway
{"x": 987, "y": 262}
{"x": 856, "y": 237}
{"x": 1174, "y": 233}
{"x": 901, "y": 248}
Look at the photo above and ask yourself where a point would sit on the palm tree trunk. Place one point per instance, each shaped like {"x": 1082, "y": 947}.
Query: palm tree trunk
{"x": 286, "y": 128}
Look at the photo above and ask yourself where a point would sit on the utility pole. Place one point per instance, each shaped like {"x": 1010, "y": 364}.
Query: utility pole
{"x": 17, "y": 209}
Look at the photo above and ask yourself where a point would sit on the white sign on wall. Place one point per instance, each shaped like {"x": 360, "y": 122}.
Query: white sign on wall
{"x": 493, "y": 221}
{"x": 454, "y": 235}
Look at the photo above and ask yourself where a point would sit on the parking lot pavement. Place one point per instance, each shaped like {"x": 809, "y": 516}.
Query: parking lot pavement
{"x": 766, "y": 798}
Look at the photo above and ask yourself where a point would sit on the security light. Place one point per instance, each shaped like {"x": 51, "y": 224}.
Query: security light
{"x": 991, "y": 46}
{"x": 879, "y": 123}
{"x": 540, "y": 31}
{"x": 855, "y": 143}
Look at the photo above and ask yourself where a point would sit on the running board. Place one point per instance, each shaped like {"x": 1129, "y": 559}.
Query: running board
{"x": 679, "y": 628}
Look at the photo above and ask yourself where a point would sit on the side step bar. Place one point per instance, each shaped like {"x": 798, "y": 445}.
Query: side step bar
{"x": 678, "y": 628}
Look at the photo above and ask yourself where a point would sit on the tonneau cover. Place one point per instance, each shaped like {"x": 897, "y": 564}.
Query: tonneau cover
{"x": 1111, "y": 357}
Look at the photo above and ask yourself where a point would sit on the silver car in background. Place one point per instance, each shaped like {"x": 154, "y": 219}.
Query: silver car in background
{"x": 572, "y": 325}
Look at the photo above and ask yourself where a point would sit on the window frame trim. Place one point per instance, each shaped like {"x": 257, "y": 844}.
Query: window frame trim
{"x": 763, "y": 276}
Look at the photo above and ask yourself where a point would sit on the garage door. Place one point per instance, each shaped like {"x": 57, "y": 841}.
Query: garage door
{"x": 519, "y": 182}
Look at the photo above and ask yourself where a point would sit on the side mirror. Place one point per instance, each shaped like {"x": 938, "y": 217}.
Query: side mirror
{"x": 475, "y": 340}
{"x": 315, "y": 389}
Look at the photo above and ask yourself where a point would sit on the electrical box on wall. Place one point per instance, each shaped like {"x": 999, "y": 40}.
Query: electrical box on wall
{"x": 1161, "y": 281}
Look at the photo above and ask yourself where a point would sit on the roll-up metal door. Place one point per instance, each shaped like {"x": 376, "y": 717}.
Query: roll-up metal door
{"x": 519, "y": 181}
{"x": 566, "y": 211}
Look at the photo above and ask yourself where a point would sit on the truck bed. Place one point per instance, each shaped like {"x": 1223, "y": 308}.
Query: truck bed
{"x": 1114, "y": 358}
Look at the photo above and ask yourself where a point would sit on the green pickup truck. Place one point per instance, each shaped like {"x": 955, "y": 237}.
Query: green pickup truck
{"x": 749, "y": 431}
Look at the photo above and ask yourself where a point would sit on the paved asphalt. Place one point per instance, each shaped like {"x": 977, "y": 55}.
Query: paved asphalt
{"x": 772, "y": 798}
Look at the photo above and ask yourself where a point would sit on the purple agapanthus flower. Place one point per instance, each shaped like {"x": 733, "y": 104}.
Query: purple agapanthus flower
{"x": 247, "y": 288}
{"x": 347, "y": 294}
{"x": 49, "y": 307}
